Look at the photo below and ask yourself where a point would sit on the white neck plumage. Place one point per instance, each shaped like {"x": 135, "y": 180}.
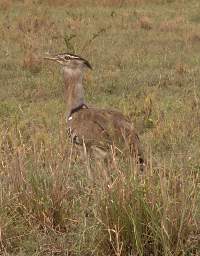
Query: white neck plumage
{"x": 74, "y": 92}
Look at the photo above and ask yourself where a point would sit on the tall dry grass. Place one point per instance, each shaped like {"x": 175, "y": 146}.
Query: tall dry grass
{"x": 47, "y": 191}
{"x": 145, "y": 60}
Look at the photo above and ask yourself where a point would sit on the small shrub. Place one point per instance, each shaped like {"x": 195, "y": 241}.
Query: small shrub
{"x": 174, "y": 25}
{"x": 145, "y": 23}
{"x": 31, "y": 62}
{"x": 5, "y": 5}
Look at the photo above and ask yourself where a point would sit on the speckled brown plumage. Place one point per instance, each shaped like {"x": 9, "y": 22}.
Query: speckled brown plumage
{"x": 102, "y": 129}
{"x": 95, "y": 129}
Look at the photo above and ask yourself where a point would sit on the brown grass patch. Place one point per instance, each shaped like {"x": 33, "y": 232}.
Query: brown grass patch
{"x": 172, "y": 25}
{"x": 181, "y": 68}
{"x": 105, "y": 3}
{"x": 34, "y": 24}
{"x": 194, "y": 37}
{"x": 5, "y": 5}
{"x": 145, "y": 22}
{"x": 76, "y": 3}
{"x": 31, "y": 62}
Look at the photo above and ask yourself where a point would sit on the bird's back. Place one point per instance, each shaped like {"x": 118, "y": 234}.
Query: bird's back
{"x": 103, "y": 128}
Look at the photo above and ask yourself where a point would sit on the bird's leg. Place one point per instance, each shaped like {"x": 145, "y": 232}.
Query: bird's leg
{"x": 87, "y": 158}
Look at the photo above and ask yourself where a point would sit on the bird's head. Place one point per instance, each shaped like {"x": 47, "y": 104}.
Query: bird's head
{"x": 70, "y": 61}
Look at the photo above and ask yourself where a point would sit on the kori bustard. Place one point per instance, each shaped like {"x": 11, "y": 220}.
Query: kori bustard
{"x": 95, "y": 129}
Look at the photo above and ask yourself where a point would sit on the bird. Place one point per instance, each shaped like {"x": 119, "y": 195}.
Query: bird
{"x": 95, "y": 129}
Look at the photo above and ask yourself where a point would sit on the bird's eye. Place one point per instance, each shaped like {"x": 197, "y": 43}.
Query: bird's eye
{"x": 66, "y": 57}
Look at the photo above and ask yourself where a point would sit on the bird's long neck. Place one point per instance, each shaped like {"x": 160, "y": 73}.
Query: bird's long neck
{"x": 74, "y": 93}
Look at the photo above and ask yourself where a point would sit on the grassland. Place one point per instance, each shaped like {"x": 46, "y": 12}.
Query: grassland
{"x": 145, "y": 58}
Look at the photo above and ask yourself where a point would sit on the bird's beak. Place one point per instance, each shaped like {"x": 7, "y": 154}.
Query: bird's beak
{"x": 51, "y": 58}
